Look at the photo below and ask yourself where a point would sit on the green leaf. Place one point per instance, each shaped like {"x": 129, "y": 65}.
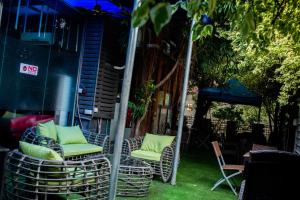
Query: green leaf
{"x": 140, "y": 16}
{"x": 211, "y": 7}
{"x": 183, "y": 5}
{"x": 196, "y": 31}
{"x": 176, "y": 6}
{"x": 207, "y": 30}
{"x": 250, "y": 20}
{"x": 160, "y": 15}
{"x": 193, "y": 7}
{"x": 200, "y": 31}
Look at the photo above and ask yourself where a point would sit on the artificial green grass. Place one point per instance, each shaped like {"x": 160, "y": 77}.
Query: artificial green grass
{"x": 197, "y": 173}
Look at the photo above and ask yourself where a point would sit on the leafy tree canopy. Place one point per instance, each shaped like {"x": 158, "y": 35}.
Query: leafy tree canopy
{"x": 256, "y": 40}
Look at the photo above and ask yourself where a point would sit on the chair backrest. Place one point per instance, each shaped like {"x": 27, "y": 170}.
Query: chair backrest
{"x": 272, "y": 175}
{"x": 156, "y": 143}
{"x": 217, "y": 149}
{"x": 256, "y": 147}
{"x": 218, "y": 153}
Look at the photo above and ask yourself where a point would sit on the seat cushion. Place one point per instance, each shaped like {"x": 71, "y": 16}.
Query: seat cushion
{"x": 80, "y": 149}
{"x": 147, "y": 155}
{"x": 39, "y": 151}
{"x": 156, "y": 143}
{"x": 70, "y": 135}
{"x": 47, "y": 129}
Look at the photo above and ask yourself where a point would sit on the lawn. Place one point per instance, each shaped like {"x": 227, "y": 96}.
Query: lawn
{"x": 196, "y": 175}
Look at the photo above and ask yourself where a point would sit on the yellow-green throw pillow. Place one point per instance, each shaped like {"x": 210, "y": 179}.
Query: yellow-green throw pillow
{"x": 70, "y": 135}
{"x": 156, "y": 143}
{"x": 164, "y": 141}
{"x": 150, "y": 143}
{"x": 39, "y": 151}
{"x": 47, "y": 129}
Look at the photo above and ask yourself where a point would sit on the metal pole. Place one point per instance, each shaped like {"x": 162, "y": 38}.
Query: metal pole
{"x": 18, "y": 14}
{"x": 69, "y": 35}
{"x": 41, "y": 20}
{"x": 1, "y": 9}
{"x": 46, "y": 21}
{"x": 182, "y": 104}
{"x": 77, "y": 38}
{"x": 123, "y": 108}
{"x": 26, "y": 16}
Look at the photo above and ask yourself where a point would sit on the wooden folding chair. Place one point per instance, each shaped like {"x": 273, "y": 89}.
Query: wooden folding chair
{"x": 234, "y": 169}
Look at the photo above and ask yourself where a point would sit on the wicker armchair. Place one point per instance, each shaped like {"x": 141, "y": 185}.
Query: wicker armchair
{"x": 98, "y": 139}
{"x": 27, "y": 177}
{"x": 163, "y": 167}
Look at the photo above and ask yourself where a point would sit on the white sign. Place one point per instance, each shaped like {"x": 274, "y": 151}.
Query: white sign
{"x": 29, "y": 69}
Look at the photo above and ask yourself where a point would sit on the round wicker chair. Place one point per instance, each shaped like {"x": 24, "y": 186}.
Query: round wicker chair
{"x": 32, "y": 178}
{"x": 163, "y": 167}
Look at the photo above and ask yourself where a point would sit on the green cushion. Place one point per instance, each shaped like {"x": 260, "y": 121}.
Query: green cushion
{"x": 148, "y": 155}
{"x": 70, "y": 135}
{"x": 156, "y": 143}
{"x": 39, "y": 151}
{"x": 47, "y": 129}
{"x": 80, "y": 149}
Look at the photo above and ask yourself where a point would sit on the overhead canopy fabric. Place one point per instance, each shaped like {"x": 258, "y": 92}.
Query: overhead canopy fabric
{"x": 234, "y": 93}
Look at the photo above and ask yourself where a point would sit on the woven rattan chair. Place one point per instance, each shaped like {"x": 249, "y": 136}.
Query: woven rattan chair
{"x": 225, "y": 168}
{"x": 163, "y": 167}
{"x": 98, "y": 139}
{"x": 32, "y": 178}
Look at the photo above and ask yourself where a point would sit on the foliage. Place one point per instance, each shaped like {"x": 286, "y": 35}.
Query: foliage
{"x": 244, "y": 16}
{"x": 273, "y": 71}
{"x": 258, "y": 19}
{"x": 137, "y": 109}
{"x": 250, "y": 114}
{"x": 138, "y": 106}
{"x": 254, "y": 41}
{"x": 230, "y": 113}
{"x": 161, "y": 13}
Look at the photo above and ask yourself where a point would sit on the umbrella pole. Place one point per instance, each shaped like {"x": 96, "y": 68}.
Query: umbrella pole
{"x": 123, "y": 108}
{"x": 182, "y": 104}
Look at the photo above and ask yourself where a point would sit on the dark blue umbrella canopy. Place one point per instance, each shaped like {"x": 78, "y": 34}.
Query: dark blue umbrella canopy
{"x": 234, "y": 93}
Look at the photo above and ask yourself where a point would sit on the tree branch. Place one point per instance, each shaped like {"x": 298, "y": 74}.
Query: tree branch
{"x": 161, "y": 83}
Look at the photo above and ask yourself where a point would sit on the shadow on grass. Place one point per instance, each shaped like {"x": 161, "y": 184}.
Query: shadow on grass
{"x": 197, "y": 173}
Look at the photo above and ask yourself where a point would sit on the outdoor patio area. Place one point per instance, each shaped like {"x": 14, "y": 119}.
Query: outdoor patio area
{"x": 196, "y": 175}
{"x": 149, "y": 100}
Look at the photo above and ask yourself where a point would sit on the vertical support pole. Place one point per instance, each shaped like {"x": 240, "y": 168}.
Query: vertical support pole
{"x": 182, "y": 104}
{"x": 46, "y": 22}
{"x": 259, "y": 113}
{"x": 62, "y": 38}
{"x": 1, "y": 10}
{"x": 123, "y": 108}
{"x": 77, "y": 38}
{"x": 41, "y": 21}
{"x": 18, "y": 14}
{"x": 54, "y": 28}
{"x": 26, "y": 16}
{"x": 69, "y": 35}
